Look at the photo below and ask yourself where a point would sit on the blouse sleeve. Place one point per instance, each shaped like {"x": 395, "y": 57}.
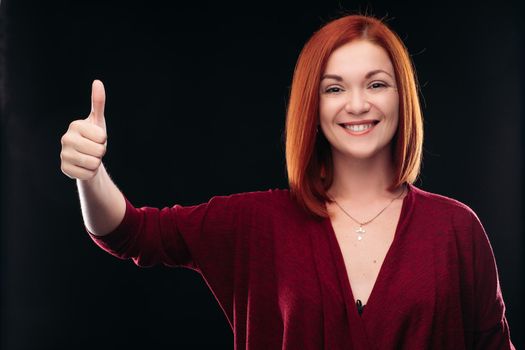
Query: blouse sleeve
{"x": 175, "y": 236}
{"x": 492, "y": 330}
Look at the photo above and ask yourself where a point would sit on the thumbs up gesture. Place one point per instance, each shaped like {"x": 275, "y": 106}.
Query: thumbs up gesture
{"x": 98, "y": 100}
{"x": 85, "y": 142}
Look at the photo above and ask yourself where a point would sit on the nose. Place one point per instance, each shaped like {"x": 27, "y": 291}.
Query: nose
{"x": 357, "y": 102}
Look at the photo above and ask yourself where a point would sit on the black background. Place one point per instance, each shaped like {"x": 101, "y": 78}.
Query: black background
{"x": 196, "y": 100}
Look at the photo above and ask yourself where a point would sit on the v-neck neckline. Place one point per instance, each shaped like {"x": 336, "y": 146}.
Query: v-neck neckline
{"x": 343, "y": 273}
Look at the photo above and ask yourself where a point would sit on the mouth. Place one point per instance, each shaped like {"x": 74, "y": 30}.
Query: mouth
{"x": 359, "y": 128}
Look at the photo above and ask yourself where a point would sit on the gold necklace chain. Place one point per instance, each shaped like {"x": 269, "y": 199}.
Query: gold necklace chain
{"x": 360, "y": 230}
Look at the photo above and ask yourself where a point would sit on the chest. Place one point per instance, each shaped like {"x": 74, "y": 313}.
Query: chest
{"x": 364, "y": 258}
{"x": 418, "y": 282}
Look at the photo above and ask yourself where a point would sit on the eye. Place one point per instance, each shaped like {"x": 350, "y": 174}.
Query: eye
{"x": 378, "y": 84}
{"x": 333, "y": 90}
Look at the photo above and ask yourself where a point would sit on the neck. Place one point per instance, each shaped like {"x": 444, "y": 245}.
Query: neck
{"x": 362, "y": 180}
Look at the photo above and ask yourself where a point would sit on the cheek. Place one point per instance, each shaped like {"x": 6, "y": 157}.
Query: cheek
{"x": 325, "y": 114}
{"x": 395, "y": 114}
{"x": 329, "y": 108}
{"x": 390, "y": 107}
{"x": 387, "y": 101}
{"x": 326, "y": 120}
{"x": 392, "y": 122}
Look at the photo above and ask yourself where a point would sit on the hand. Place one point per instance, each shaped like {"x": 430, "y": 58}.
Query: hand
{"x": 85, "y": 142}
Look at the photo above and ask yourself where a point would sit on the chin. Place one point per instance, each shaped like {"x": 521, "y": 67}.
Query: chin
{"x": 361, "y": 154}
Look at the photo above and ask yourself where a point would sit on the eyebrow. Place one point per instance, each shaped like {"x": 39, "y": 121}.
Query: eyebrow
{"x": 368, "y": 75}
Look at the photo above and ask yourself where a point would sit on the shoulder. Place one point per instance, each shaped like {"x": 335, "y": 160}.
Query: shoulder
{"x": 443, "y": 206}
{"x": 271, "y": 199}
{"x": 266, "y": 204}
{"x": 264, "y": 198}
{"x": 237, "y": 203}
{"x": 244, "y": 201}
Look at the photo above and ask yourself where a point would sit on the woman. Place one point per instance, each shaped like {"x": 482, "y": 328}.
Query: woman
{"x": 353, "y": 256}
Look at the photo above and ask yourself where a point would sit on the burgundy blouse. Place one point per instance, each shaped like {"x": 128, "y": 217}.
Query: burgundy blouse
{"x": 279, "y": 274}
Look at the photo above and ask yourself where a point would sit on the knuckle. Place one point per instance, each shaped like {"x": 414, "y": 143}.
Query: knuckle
{"x": 73, "y": 125}
{"x": 64, "y": 139}
{"x": 103, "y": 137}
{"x": 65, "y": 169}
{"x": 79, "y": 125}
{"x": 102, "y": 152}
{"x": 64, "y": 156}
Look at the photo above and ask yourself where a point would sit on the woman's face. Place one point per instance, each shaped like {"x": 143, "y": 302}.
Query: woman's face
{"x": 359, "y": 102}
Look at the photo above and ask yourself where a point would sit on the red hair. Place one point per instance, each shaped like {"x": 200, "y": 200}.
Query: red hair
{"x": 308, "y": 153}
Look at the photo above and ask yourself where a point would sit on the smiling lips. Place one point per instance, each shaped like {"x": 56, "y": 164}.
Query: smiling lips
{"x": 359, "y": 128}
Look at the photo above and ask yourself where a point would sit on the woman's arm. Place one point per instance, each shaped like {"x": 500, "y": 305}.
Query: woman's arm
{"x": 491, "y": 327}
{"x": 103, "y": 205}
{"x": 83, "y": 146}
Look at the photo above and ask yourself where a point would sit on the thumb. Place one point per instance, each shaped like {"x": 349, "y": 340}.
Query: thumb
{"x": 98, "y": 101}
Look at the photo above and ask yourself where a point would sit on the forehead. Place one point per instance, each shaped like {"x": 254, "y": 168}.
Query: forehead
{"x": 357, "y": 58}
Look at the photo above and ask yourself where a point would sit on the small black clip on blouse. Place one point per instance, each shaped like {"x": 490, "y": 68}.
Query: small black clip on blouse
{"x": 360, "y": 306}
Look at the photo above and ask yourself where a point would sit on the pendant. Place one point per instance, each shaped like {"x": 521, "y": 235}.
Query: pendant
{"x": 359, "y": 231}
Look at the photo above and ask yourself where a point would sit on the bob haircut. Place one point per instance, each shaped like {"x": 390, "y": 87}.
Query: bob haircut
{"x": 308, "y": 153}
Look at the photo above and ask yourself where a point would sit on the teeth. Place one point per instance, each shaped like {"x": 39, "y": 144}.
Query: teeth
{"x": 360, "y": 127}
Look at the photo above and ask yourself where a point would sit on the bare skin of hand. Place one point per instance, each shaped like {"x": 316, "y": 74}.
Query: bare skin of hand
{"x": 85, "y": 142}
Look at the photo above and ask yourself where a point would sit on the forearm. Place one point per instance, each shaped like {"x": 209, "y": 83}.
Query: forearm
{"x": 103, "y": 205}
